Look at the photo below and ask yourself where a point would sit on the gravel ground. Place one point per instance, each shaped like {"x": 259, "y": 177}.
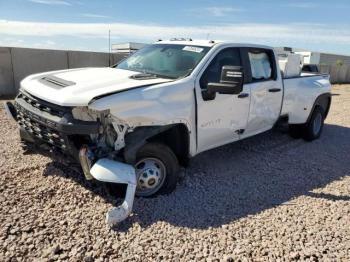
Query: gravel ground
{"x": 266, "y": 198}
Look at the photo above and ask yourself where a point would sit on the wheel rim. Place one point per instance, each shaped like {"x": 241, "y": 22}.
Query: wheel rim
{"x": 317, "y": 124}
{"x": 150, "y": 174}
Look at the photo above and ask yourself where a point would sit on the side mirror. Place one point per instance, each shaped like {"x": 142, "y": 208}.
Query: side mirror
{"x": 231, "y": 81}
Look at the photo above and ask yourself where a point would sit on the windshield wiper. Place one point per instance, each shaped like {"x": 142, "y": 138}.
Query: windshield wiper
{"x": 164, "y": 76}
{"x": 143, "y": 76}
{"x": 157, "y": 75}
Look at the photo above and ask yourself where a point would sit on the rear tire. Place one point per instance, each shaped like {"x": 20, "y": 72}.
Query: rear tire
{"x": 156, "y": 170}
{"x": 296, "y": 131}
{"x": 314, "y": 126}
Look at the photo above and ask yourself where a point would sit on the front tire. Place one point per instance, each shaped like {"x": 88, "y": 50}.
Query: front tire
{"x": 156, "y": 170}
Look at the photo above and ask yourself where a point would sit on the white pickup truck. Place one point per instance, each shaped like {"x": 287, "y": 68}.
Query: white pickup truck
{"x": 137, "y": 122}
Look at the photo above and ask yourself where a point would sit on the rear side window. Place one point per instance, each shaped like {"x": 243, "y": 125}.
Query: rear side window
{"x": 260, "y": 64}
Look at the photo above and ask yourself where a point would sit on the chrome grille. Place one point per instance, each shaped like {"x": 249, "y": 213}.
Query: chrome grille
{"x": 41, "y": 106}
{"x": 44, "y": 133}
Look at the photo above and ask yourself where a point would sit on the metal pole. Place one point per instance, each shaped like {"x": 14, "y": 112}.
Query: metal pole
{"x": 109, "y": 47}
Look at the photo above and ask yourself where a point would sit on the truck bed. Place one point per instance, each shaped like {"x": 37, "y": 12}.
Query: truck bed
{"x": 299, "y": 91}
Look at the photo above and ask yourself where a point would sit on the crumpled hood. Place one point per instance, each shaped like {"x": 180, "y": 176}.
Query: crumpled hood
{"x": 77, "y": 87}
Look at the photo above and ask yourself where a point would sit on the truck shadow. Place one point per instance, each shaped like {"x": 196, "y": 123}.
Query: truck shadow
{"x": 245, "y": 178}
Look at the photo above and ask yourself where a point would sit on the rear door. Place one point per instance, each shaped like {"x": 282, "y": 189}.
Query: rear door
{"x": 220, "y": 119}
{"x": 266, "y": 90}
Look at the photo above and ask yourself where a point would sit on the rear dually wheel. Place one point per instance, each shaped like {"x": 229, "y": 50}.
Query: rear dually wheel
{"x": 312, "y": 129}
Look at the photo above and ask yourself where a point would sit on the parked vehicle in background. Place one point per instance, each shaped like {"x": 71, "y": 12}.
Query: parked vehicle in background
{"x": 138, "y": 122}
{"x": 310, "y": 68}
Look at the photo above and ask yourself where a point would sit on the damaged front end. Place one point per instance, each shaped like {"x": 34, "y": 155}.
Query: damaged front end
{"x": 88, "y": 138}
{"x": 101, "y": 160}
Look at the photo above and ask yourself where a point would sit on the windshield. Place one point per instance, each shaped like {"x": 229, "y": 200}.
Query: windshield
{"x": 165, "y": 60}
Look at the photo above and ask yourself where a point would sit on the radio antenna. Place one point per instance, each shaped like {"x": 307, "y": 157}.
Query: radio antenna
{"x": 109, "y": 47}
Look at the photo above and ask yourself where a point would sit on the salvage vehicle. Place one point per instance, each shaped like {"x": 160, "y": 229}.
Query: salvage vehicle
{"x": 135, "y": 123}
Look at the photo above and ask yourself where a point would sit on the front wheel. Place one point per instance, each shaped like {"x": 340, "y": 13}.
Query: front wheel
{"x": 156, "y": 170}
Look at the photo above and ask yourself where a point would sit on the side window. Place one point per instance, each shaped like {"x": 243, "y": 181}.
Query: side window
{"x": 229, "y": 56}
{"x": 260, "y": 64}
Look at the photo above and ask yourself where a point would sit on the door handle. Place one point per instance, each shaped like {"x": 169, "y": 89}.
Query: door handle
{"x": 243, "y": 95}
{"x": 274, "y": 90}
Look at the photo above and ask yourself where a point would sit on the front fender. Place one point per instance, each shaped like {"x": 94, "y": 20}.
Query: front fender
{"x": 161, "y": 104}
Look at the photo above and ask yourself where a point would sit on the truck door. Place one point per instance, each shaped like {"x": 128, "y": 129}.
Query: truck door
{"x": 223, "y": 117}
{"x": 266, "y": 90}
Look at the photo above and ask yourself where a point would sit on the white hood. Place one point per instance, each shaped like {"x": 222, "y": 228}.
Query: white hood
{"x": 81, "y": 85}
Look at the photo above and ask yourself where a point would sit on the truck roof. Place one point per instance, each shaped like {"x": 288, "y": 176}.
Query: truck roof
{"x": 208, "y": 43}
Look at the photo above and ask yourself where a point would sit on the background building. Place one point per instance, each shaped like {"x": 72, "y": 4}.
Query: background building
{"x": 338, "y": 66}
{"x": 127, "y": 48}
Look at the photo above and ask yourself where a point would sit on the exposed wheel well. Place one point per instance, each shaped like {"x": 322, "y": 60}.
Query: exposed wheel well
{"x": 178, "y": 139}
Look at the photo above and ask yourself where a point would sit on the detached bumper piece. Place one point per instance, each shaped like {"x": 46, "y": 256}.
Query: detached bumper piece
{"x": 107, "y": 170}
{"x": 10, "y": 111}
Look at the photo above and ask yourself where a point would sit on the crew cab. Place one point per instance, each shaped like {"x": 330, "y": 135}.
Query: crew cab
{"x": 138, "y": 121}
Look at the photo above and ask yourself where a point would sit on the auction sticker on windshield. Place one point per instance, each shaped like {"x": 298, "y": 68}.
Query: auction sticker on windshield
{"x": 193, "y": 49}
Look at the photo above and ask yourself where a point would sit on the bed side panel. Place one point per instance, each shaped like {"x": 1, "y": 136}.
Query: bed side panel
{"x": 300, "y": 94}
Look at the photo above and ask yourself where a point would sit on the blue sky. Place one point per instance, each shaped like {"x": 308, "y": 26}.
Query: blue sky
{"x": 83, "y": 25}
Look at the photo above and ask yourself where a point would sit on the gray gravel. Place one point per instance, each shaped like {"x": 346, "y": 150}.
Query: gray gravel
{"x": 266, "y": 198}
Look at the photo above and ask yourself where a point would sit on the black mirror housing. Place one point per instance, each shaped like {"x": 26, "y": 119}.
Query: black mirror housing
{"x": 231, "y": 81}
{"x": 231, "y": 74}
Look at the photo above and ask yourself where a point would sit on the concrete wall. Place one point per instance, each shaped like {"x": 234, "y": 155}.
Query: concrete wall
{"x": 338, "y": 74}
{"x": 17, "y": 63}
{"x": 30, "y": 61}
{"x": 6, "y": 72}
{"x": 332, "y": 59}
{"x": 83, "y": 59}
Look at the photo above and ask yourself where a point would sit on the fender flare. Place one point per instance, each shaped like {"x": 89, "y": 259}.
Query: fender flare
{"x": 135, "y": 140}
{"x": 324, "y": 100}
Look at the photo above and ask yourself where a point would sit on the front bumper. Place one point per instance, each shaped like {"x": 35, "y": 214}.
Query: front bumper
{"x": 52, "y": 131}
{"x": 48, "y": 127}
{"x": 107, "y": 170}
{"x": 10, "y": 111}
{"x": 53, "y": 134}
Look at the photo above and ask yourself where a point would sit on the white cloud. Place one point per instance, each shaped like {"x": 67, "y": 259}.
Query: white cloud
{"x": 305, "y": 5}
{"x": 51, "y": 2}
{"x": 213, "y": 11}
{"x": 239, "y": 32}
{"x": 94, "y": 15}
{"x": 45, "y": 44}
{"x": 221, "y": 11}
{"x": 10, "y": 41}
{"x": 14, "y": 42}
